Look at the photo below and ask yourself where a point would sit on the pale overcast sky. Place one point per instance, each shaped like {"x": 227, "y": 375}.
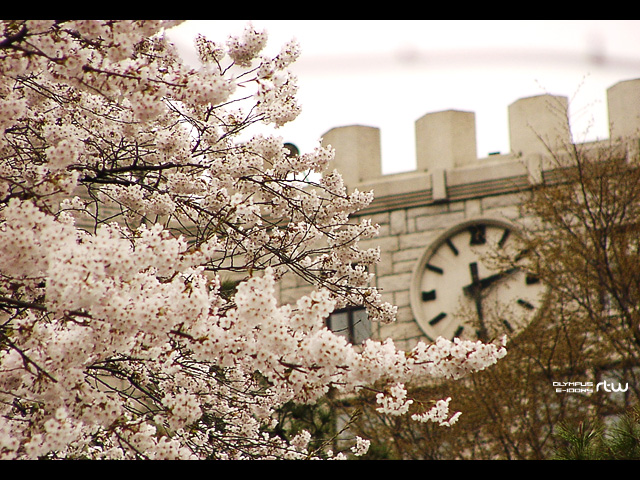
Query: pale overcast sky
{"x": 388, "y": 73}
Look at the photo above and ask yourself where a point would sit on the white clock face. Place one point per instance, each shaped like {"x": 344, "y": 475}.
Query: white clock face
{"x": 458, "y": 291}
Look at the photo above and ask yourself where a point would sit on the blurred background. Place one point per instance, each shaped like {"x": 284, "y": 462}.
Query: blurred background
{"x": 389, "y": 73}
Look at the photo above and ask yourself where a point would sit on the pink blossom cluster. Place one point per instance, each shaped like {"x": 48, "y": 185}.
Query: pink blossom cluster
{"x": 129, "y": 200}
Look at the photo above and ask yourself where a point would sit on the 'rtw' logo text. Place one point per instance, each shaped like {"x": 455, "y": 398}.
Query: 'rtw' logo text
{"x": 587, "y": 387}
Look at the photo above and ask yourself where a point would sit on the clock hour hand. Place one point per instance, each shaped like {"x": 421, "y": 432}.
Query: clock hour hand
{"x": 480, "y": 284}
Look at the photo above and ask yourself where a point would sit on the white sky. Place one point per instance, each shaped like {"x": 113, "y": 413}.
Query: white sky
{"x": 389, "y": 73}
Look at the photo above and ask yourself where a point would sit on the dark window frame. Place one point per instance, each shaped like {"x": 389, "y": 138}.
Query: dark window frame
{"x": 350, "y": 331}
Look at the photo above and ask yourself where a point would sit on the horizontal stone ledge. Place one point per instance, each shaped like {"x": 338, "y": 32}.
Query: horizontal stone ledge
{"x": 454, "y": 193}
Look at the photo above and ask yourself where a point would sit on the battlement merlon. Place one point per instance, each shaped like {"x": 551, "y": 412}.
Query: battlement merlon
{"x": 623, "y": 103}
{"x": 446, "y": 141}
{"x": 357, "y": 152}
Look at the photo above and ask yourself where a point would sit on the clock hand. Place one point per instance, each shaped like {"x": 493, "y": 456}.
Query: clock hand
{"x": 475, "y": 290}
{"x": 481, "y": 284}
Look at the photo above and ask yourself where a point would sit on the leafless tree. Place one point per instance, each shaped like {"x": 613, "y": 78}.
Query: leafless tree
{"x": 582, "y": 238}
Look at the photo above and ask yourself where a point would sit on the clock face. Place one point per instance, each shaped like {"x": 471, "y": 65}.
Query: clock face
{"x": 460, "y": 290}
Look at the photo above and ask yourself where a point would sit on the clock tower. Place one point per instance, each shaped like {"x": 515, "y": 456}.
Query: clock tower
{"x": 439, "y": 223}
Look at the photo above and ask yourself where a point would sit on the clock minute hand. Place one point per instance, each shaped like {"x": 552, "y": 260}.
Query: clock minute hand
{"x": 474, "y": 290}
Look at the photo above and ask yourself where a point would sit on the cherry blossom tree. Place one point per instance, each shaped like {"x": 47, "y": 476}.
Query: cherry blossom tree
{"x": 131, "y": 188}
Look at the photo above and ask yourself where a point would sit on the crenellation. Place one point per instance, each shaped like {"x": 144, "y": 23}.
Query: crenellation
{"x": 446, "y": 145}
{"x": 445, "y": 140}
{"x": 357, "y": 152}
{"x": 537, "y": 124}
{"x": 623, "y": 104}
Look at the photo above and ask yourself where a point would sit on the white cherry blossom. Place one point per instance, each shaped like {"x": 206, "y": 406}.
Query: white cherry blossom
{"x": 129, "y": 199}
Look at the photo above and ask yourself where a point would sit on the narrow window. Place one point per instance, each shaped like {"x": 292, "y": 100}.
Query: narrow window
{"x": 352, "y": 322}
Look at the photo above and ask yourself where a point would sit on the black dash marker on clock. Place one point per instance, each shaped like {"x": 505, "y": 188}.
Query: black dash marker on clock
{"x": 531, "y": 280}
{"x": 504, "y": 237}
{"x": 430, "y": 295}
{"x": 451, "y": 246}
{"x": 437, "y": 318}
{"x": 435, "y": 269}
{"x": 525, "y": 304}
{"x": 458, "y": 331}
